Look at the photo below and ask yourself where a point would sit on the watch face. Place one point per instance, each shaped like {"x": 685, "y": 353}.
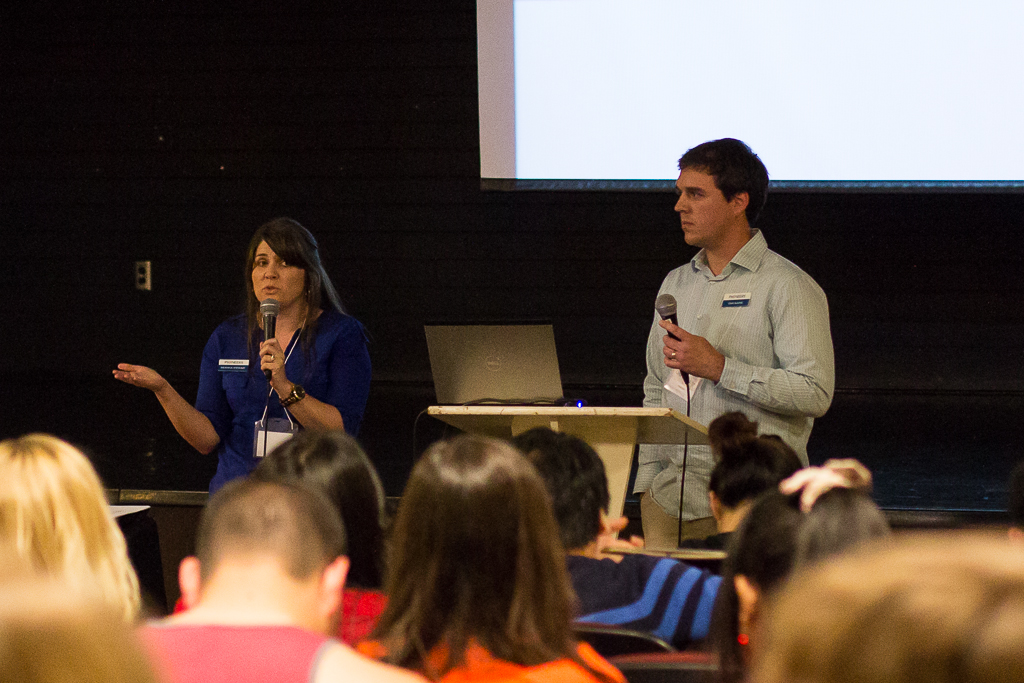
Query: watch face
{"x": 298, "y": 391}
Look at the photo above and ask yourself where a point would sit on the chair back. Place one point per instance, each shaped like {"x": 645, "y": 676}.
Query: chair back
{"x": 610, "y": 641}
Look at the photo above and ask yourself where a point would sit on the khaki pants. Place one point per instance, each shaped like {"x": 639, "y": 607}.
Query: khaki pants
{"x": 661, "y": 530}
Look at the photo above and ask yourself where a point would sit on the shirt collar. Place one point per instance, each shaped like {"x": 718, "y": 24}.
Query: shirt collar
{"x": 748, "y": 257}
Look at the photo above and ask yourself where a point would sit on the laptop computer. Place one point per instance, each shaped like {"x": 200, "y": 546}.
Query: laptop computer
{"x": 494, "y": 363}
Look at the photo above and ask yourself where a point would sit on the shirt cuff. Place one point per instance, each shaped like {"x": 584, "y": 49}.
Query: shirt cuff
{"x": 736, "y": 376}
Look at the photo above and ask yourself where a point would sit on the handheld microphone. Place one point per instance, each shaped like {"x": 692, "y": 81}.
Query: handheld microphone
{"x": 268, "y": 311}
{"x": 665, "y": 305}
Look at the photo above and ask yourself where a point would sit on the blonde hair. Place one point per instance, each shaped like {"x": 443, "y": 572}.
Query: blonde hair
{"x": 927, "y": 609}
{"x": 54, "y": 516}
{"x": 49, "y": 634}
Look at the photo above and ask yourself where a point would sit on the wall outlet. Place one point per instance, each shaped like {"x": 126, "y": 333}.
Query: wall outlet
{"x": 143, "y": 275}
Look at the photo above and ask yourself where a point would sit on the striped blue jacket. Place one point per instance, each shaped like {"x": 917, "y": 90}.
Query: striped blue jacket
{"x": 664, "y": 597}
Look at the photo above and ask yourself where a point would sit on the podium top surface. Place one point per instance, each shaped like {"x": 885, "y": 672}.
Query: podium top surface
{"x": 652, "y": 425}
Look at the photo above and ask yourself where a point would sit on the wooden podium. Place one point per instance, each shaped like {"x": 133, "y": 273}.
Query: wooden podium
{"x": 613, "y": 432}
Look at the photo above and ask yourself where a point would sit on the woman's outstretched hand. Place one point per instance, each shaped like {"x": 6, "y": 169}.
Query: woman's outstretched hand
{"x": 140, "y": 376}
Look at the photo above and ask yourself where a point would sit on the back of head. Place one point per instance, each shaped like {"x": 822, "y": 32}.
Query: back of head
{"x": 764, "y": 550}
{"x": 840, "y": 519}
{"x": 574, "y": 476}
{"x": 748, "y": 464}
{"x": 476, "y": 558}
{"x": 249, "y": 518}
{"x": 54, "y": 515}
{"x": 333, "y": 464}
{"x": 48, "y": 634}
{"x": 735, "y": 169}
{"x": 928, "y": 609}
{"x": 764, "y": 546}
{"x": 775, "y": 539}
{"x": 729, "y": 430}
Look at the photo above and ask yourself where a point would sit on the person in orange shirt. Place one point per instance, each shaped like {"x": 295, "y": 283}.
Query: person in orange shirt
{"x": 478, "y": 589}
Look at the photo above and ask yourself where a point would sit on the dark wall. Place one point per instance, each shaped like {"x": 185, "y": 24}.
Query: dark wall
{"x": 169, "y": 131}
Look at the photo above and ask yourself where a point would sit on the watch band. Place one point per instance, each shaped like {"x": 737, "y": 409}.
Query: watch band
{"x": 298, "y": 393}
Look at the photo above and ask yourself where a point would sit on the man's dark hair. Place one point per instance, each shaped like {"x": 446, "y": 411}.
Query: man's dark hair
{"x": 735, "y": 168}
{"x": 1016, "y": 506}
{"x": 574, "y": 476}
{"x": 291, "y": 523}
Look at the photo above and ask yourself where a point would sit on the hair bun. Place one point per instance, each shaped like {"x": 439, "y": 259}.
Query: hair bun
{"x": 729, "y": 433}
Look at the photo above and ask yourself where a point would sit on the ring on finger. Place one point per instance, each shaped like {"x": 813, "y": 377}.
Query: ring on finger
{"x": 673, "y": 355}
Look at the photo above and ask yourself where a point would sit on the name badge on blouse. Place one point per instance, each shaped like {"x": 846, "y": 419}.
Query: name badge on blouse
{"x": 233, "y": 365}
{"x": 736, "y": 300}
{"x": 269, "y": 434}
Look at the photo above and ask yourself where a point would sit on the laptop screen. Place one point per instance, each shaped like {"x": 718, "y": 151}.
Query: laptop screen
{"x": 503, "y": 363}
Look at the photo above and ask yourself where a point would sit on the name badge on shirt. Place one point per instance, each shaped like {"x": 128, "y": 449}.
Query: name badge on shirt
{"x": 233, "y": 365}
{"x": 736, "y": 300}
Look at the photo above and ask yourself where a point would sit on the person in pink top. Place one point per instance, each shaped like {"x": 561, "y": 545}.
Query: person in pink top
{"x": 263, "y": 594}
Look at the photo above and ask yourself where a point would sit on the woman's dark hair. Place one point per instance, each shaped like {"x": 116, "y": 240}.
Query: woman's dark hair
{"x": 333, "y": 464}
{"x": 476, "y": 560}
{"x": 763, "y": 548}
{"x": 296, "y": 246}
{"x": 772, "y": 541}
{"x": 748, "y": 464}
{"x": 730, "y": 430}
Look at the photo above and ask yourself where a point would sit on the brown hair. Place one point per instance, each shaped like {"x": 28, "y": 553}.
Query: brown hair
{"x": 295, "y": 245}
{"x": 476, "y": 560}
{"x": 928, "y": 609}
{"x": 296, "y": 525}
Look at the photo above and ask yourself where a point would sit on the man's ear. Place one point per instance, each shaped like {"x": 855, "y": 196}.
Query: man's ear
{"x": 748, "y": 596}
{"x": 189, "y": 582}
{"x": 1016, "y": 534}
{"x": 332, "y": 586}
{"x": 740, "y": 201}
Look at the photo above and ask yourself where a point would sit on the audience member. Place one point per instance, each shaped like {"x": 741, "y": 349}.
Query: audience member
{"x": 477, "y": 587}
{"x": 657, "y": 595}
{"x": 55, "y": 517}
{"x": 52, "y": 633}
{"x": 774, "y": 539}
{"x": 746, "y": 465}
{"x": 262, "y": 593}
{"x": 925, "y": 609}
{"x": 335, "y": 465}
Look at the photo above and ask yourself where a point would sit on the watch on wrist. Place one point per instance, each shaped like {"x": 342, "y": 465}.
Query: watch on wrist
{"x": 298, "y": 393}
